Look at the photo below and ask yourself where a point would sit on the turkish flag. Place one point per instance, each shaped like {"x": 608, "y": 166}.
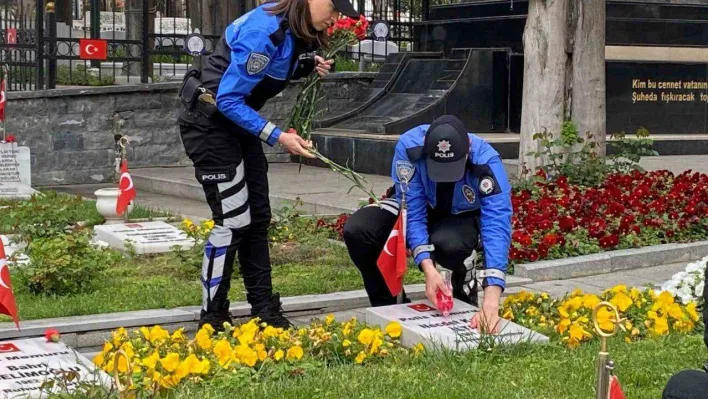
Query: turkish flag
{"x": 392, "y": 260}
{"x": 615, "y": 391}
{"x": 127, "y": 189}
{"x": 8, "y": 305}
{"x": 93, "y": 49}
{"x": 11, "y": 36}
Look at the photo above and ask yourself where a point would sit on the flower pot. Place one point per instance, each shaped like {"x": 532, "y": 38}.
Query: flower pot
{"x": 106, "y": 199}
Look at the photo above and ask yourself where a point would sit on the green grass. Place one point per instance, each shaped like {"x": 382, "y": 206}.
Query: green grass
{"x": 52, "y": 205}
{"x": 163, "y": 281}
{"x": 525, "y": 372}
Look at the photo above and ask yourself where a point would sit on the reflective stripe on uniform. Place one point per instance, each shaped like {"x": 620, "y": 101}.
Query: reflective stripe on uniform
{"x": 484, "y": 273}
{"x": 266, "y": 132}
{"x": 423, "y": 248}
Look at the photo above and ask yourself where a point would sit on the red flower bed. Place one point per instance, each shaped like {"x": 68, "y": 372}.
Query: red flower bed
{"x": 558, "y": 220}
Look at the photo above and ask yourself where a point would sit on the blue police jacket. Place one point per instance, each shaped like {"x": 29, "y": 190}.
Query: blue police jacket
{"x": 260, "y": 55}
{"x": 484, "y": 187}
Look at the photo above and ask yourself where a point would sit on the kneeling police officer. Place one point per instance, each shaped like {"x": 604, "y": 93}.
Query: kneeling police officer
{"x": 222, "y": 133}
{"x": 458, "y": 202}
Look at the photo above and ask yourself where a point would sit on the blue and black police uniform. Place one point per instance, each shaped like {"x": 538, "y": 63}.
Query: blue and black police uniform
{"x": 222, "y": 133}
{"x": 458, "y": 201}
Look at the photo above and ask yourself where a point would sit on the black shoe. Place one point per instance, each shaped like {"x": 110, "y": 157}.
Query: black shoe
{"x": 216, "y": 319}
{"x": 271, "y": 313}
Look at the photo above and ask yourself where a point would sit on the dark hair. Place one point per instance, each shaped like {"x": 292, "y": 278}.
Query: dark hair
{"x": 298, "y": 16}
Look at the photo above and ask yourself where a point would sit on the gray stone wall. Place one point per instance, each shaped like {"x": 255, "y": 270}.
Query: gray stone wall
{"x": 70, "y": 131}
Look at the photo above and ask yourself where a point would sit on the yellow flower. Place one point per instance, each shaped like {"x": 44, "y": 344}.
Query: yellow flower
{"x": 675, "y": 311}
{"x": 578, "y": 333}
{"x": 278, "y": 355}
{"x": 635, "y": 332}
{"x": 270, "y": 331}
{"x": 203, "y": 339}
{"x": 170, "y": 362}
{"x": 590, "y": 300}
{"x": 691, "y": 310}
{"x": 209, "y": 224}
{"x": 222, "y": 351}
{"x": 119, "y": 336}
{"x": 563, "y": 326}
{"x": 532, "y": 311}
{"x": 122, "y": 364}
{"x": 393, "y": 329}
{"x": 576, "y": 292}
{"x": 563, "y": 311}
{"x": 508, "y": 314}
{"x": 663, "y": 301}
{"x": 247, "y": 356}
{"x": 127, "y": 347}
{"x": 627, "y": 340}
{"x": 366, "y": 336}
{"x": 346, "y": 343}
{"x": 107, "y": 347}
{"x": 294, "y": 353}
{"x": 187, "y": 223}
{"x": 418, "y": 348}
{"x": 375, "y": 345}
{"x": 151, "y": 360}
{"x": 606, "y": 319}
{"x": 360, "y": 358}
{"x": 622, "y": 301}
{"x": 347, "y": 329}
{"x": 661, "y": 326}
{"x": 178, "y": 336}
{"x": 182, "y": 371}
{"x": 635, "y": 294}
{"x": 544, "y": 296}
{"x": 99, "y": 359}
{"x": 618, "y": 288}
{"x": 329, "y": 319}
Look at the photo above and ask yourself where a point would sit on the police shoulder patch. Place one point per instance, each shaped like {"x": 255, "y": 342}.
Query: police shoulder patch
{"x": 256, "y": 63}
{"x": 486, "y": 185}
{"x": 469, "y": 194}
{"x": 404, "y": 171}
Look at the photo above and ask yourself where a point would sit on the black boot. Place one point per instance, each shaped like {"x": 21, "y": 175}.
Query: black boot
{"x": 216, "y": 319}
{"x": 271, "y": 312}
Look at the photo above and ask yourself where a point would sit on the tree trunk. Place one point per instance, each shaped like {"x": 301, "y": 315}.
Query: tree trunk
{"x": 544, "y": 93}
{"x": 588, "y": 105}
{"x": 564, "y": 74}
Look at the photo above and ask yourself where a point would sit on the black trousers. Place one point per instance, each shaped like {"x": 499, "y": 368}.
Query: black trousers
{"x": 232, "y": 168}
{"x": 687, "y": 384}
{"x": 455, "y": 237}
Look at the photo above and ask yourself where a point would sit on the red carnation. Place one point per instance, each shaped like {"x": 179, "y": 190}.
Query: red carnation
{"x": 550, "y": 239}
{"x": 10, "y": 138}
{"x": 566, "y": 223}
{"x": 609, "y": 241}
{"x": 52, "y": 335}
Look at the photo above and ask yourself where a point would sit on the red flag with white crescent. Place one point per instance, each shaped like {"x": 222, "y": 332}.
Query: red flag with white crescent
{"x": 615, "y": 391}
{"x": 127, "y": 189}
{"x": 8, "y": 305}
{"x": 392, "y": 260}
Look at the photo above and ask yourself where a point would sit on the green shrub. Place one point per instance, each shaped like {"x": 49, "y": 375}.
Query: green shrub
{"x": 66, "y": 264}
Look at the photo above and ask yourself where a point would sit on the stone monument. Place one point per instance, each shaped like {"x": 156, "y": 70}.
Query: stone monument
{"x": 147, "y": 237}
{"x": 422, "y": 323}
{"x": 15, "y": 171}
{"x": 25, "y": 364}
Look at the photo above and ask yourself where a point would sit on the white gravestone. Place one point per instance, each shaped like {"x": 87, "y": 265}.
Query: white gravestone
{"x": 422, "y": 323}
{"x": 146, "y": 238}
{"x": 15, "y": 164}
{"x": 15, "y": 191}
{"x": 25, "y": 364}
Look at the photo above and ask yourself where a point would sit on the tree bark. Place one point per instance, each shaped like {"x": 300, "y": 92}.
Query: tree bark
{"x": 564, "y": 74}
{"x": 544, "y": 92}
{"x": 589, "y": 101}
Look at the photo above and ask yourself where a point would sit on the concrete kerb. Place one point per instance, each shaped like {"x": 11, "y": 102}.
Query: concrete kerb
{"x": 611, "y": 261}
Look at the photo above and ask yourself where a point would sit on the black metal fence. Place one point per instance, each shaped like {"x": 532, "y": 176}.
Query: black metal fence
{"x": 40, "y": 40}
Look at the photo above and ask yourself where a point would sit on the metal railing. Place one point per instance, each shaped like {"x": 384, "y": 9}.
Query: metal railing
{"x": 145, "y": 38}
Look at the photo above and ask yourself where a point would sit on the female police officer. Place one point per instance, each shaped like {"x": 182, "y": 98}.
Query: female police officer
{"x": 222, "y": 132}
